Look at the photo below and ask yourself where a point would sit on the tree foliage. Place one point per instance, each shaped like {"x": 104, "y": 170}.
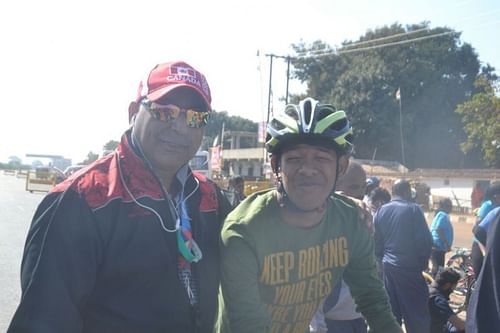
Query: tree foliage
{"x": 14, "y": 162}
{"x": 231, "y": 123}
{"x": 110, "y": 145}
{"x": 481, "y": 119}
{"x": 434, "y": 75}
{"x": 91, "y": 157}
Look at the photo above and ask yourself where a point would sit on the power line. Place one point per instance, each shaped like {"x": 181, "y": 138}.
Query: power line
{"x": 483, "y": 24}
{"x": 468, "y": 18}
{"x": 340, "y": 52}
{"x": 381, "y": 38}
{"x": 479, "y": 15}
{"x": 399, "y": 42}
{"x": 361, "y": 49}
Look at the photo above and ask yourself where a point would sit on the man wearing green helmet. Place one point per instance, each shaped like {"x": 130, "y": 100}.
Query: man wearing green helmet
{"x": 284, "y": 249}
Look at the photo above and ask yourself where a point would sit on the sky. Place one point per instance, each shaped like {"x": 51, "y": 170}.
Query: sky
{"x": 69, "y": 69}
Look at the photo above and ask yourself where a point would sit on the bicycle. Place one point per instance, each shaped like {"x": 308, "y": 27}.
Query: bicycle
{"x": 460, "y": 260}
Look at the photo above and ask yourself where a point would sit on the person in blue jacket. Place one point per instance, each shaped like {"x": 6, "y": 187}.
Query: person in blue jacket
{"x": 403, "y": 243}
{"x": 442, "y": 235}
{"x": 492, "y": 200}
{"x": 483, "y": 312}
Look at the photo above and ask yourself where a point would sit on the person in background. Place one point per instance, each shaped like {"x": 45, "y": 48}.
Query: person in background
{"x": 480, "y": 238}
{"x": 443, "y": 318}
{"x": 130, "y": 243}
{"x": 236, "y": 189}
{"x": 338, "y": 313}
{"x": 371, "y": 184}
{"x": 483, "y": 311}
{"x": 378, "y": 196}
{"x": 353, "y": 182}
{"x": 491, "y": 201}
{"x": 481, "y": 230}
{"x": 284, "y": 249}
{"x": 476, "y": 197}
{"x": 403, "y": 243}
{"x": 442, "y": 235}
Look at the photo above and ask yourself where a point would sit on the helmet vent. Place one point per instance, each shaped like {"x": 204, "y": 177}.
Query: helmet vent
{"x": 339, "y": 125}
{"x": 292, "y": 112}
{"x": 324, "y": 112}
{"x": 307, "y": 111}
{"x": 277, "y": 125}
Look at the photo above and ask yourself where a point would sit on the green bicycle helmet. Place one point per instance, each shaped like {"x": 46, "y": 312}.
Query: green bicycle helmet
{"x": 310, "y": 122}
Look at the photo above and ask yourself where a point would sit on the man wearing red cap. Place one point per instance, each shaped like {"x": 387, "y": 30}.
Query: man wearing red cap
{"x": 130, "y": 243}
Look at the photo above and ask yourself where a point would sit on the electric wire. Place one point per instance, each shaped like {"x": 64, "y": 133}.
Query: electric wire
{"x": 352, "y": 47}
{"x": 376, "y": 39}
{"x": 361, "y": 49}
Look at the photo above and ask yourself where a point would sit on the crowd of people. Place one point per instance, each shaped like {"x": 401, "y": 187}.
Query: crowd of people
{"x": 138, "y": 242}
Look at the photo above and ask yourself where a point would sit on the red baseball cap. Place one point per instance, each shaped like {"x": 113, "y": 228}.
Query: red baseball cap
{"x": 164, "y": 78}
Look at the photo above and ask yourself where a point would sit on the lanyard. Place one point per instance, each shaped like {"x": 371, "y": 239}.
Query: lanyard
{"x": 185, "y": 242}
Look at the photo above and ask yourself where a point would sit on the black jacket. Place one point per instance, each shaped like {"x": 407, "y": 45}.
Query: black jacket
{"x": 483, "y": 311}
{"x": 97, "y": 258}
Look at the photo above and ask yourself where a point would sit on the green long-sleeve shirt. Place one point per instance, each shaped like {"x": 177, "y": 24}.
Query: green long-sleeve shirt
{"x": 274, "y": 275}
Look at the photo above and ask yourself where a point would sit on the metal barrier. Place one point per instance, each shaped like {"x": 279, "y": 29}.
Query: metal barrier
{"x": 39, "y": 182}
{"x": 251, "y": 186}
{"x": 9, "y": 172}
{"x": 22, "y": 174}
{"x": 254, "y": 186}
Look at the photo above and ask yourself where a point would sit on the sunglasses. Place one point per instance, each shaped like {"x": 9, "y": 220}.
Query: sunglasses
{"x": 170, "y": 112}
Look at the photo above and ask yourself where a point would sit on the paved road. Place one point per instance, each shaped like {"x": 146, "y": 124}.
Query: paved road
{"x": 16, "y": 210}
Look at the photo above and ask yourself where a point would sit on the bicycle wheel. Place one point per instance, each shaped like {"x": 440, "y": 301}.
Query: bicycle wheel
{"x": 460, "y": 296}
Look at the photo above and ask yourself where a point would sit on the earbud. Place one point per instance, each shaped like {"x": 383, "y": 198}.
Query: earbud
{"x": 132, "y": 120}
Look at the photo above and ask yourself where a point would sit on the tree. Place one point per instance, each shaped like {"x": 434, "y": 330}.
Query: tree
{"x": 231, "y": 123}
{"x": 110, "y": 145}
{"x": 14, "y": 162}
{"x": 481, "y": 119}
{"x": 434, "y": 71}
{"x": 91, "y": 157}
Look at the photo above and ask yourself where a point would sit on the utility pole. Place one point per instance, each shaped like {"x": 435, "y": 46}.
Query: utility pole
{"x": 287, "y": 77}
{"x": 270, "y": 87}
{"x": 398, "y": 96}
{"x": 288, "y": 59}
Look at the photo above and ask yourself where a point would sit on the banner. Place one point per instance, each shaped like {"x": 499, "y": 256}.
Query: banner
{"x": 215, "y": 158}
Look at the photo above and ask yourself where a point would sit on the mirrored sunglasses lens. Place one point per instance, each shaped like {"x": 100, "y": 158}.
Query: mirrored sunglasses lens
{"x": 165, "y": 113}
{"x": 196, "y": 119}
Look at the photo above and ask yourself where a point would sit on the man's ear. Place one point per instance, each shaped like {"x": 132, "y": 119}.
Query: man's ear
{"x": 343, "y": 164}
{"x": 133, "y": 108}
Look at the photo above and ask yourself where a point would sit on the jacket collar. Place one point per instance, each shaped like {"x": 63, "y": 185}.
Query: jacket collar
{"x": 139, "y": 176}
